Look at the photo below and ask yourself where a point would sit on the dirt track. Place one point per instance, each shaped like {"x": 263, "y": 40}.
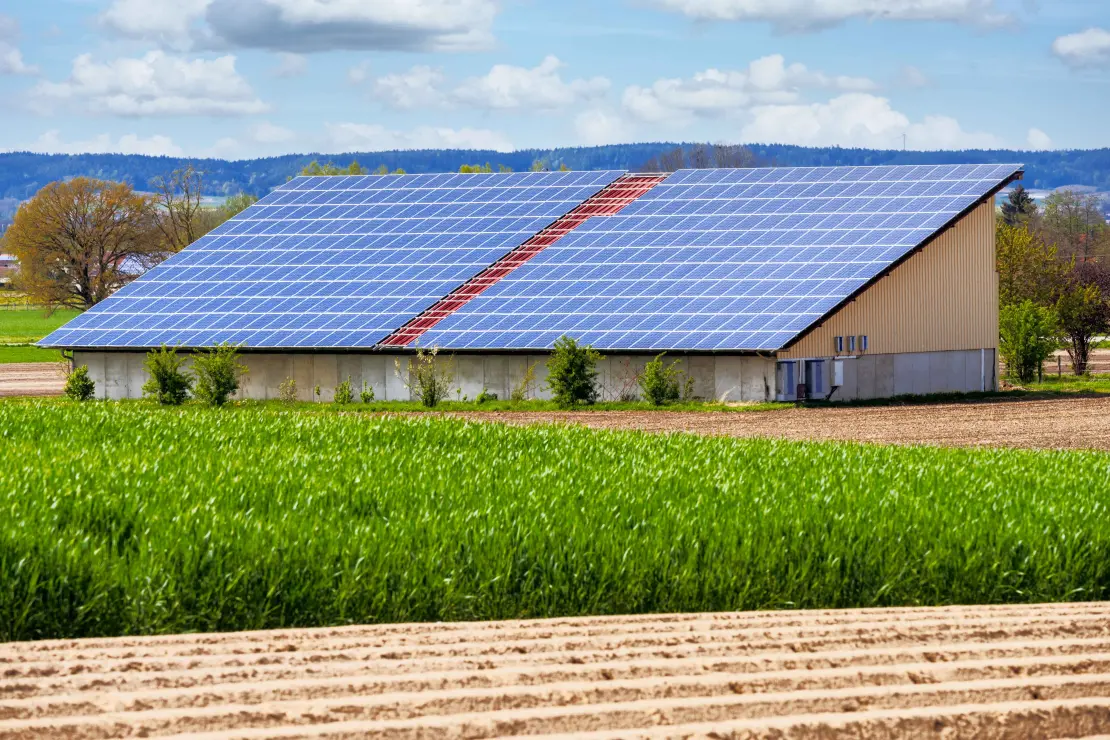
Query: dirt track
{"x": 32, "y": 379}
{"x": 1073, "y": 423}
{"x": 998, "y": 672}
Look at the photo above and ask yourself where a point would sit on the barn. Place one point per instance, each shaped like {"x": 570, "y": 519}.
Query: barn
{"x": 779, "y": 283}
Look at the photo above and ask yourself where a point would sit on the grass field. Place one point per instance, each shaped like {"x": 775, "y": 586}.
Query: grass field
{"x": 125, "y": 519}
{"x": 25, "y": 326}
{"x": 11, "y": 353}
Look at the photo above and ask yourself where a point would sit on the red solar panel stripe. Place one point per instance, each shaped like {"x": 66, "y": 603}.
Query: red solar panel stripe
{"x": 606, "y": 202}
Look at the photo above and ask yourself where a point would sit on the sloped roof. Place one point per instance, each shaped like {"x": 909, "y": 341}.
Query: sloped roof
{"x": 707, "y": 260}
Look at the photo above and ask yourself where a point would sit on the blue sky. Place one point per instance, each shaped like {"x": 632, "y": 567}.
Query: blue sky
{"x": 247, "y": 78}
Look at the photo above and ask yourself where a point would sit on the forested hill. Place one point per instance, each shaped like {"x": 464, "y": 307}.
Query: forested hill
{"x": 22, "y": 173}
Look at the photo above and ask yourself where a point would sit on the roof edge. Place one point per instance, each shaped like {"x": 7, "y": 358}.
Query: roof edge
{"x": 1017, "y": 175}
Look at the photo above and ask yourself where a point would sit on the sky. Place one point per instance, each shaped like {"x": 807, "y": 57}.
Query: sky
{"x": 252, "y": 78}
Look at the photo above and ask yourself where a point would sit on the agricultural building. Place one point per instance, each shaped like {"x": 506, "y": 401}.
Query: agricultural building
{"x": 839, "y": 282}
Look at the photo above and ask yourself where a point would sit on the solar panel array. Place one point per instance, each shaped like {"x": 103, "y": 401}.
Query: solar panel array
{"x": 332, "y": 262}
{"x": 720, "y": 259}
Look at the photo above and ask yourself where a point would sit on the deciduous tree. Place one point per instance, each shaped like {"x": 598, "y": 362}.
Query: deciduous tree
{"x": 79, "y": 241}
{"x": 1075, "y": 222}
{"x": 1028, "y": 268}
{"x": 1084, "y": 311}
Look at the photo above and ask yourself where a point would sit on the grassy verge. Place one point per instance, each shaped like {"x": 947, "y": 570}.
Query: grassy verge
{"x": 27, "y": 353}
{"x": 25, "y": 326}
{"x": 468, "y": 406}
{"x": 123, "y": 519}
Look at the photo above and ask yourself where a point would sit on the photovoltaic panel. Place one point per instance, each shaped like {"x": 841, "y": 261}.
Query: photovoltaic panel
{"x": 727, "y": 259}
{"x": 331, "y": 262}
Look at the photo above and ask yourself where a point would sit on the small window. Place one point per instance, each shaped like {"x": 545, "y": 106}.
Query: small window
{"x": 839, "y": 343}
{"x": 851, "y": 344}
{"x": 863, "y": 343}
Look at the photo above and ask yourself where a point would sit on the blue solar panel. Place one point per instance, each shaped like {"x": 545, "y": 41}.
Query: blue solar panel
{"x": 332, "y": 262}
{"x": 720, "y": 259}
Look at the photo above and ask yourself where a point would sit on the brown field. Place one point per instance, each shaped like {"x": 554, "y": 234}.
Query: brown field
{"x": 32, "y": 378}
{"x": 956, "y": 672}
{"x": 1074, "y": 423}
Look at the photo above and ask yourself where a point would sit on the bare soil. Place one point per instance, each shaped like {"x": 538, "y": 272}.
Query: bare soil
{"x": 32, "y": 378}
{"x": 1081, "y": 423}
{"x": 956, "y": 672}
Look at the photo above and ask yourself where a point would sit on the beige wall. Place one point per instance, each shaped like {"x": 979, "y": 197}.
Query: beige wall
{"x": 943, "y": 298}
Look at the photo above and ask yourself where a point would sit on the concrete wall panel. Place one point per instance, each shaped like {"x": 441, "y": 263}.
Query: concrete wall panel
{"x": 325, "y": 373}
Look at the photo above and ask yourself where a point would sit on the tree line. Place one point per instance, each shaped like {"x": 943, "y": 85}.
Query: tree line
{"x": 1054, "y": 280}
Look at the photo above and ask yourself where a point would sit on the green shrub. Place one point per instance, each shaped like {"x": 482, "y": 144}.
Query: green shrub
{"x": 428, "y": 379}
{"x": 218, "y": 371}
{"x": 343, "y": 392}
{"x": 287, "y": 391}
{"x": 572, "y": 373}
{"x": 1029, "y": 336}
{"x": 367, "y": 394}
{"x": 485, "y": 396}
{"x": 169, "y": 385}
{"x": 659, "y": 382}
{"x": 79, "y": 386}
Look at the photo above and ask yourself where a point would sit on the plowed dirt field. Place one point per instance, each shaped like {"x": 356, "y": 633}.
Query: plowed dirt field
{"x": 1081, "y": 423}
{"x": 32, "y": 378}
{"x": 961, "y": 672}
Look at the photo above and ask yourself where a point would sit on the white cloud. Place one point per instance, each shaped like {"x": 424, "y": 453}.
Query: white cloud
{"x": 858, "y": 120}
{"x": 269, "y": 133}
{"x": 304, "y": 26}
{"x": 169, "y": 22}
{"x": 808, "y": 15}
{"x": 1086, "y": 49}
{"x": 11, "y": 59}
{"x": 1039, "y": 140}
{"x": 598, "y": 126}
{"x": 156, "y": 84}
{"x": 912, "y": 77}
{"x": 347, "y": 137}
{"x": 541, "y": 87}
{"x": 714, "y": 92}
{"x": 417, "y": 88}
{"x": 51, "y": 142}
{"x": 359, "y": 73}
{"x": 290, "y": 65}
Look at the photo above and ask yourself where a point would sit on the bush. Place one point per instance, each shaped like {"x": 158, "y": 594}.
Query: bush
{"x": 367, "y": 394}
{"x": 343, "y": 392}
{"x": 659, "y": 382}
{"x": 431, "y": 381}
{"x": 572, "y": 373}
{"x": 485, "y": 396}
{"x": 168, "y": 384}
{"x": 527, "y": 384}
{"x": 287, "y": 391}
{"x": 79, "y": 386}
{"x": 1028, "y": 334}
{"x": 217, "y": 371}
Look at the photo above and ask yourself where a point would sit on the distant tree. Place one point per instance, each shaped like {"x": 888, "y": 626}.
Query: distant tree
{"x": 475, "y": 169}
{"x": 235, "y": 205}
{"x": 1019, "y": 207}
{"x": 179, "y": 196}
{"x": 1084, "y": 311}
{"x": 734, "y": 156}
{"x": 1075, "y": 222}
{"x": 542, "y": 165}
{"x": 315, "y": 169}
{"x": 700, "y": 157}
{"x": 1028, "y": 268}
{"x": 383, "y": 170}
{"x": 79, "y": 241}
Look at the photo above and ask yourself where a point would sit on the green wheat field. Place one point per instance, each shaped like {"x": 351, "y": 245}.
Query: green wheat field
{"x": 121, "y": 519}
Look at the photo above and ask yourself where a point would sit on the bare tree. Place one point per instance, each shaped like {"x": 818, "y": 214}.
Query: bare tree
{"x": 699, "y": 157}
{"x": 179, "y": 197}
{"x": 673, "y": 160}
{"x": 734, "y": 155}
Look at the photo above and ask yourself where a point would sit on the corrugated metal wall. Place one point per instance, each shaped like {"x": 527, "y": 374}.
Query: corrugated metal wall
{"x": 945, "y": 297}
